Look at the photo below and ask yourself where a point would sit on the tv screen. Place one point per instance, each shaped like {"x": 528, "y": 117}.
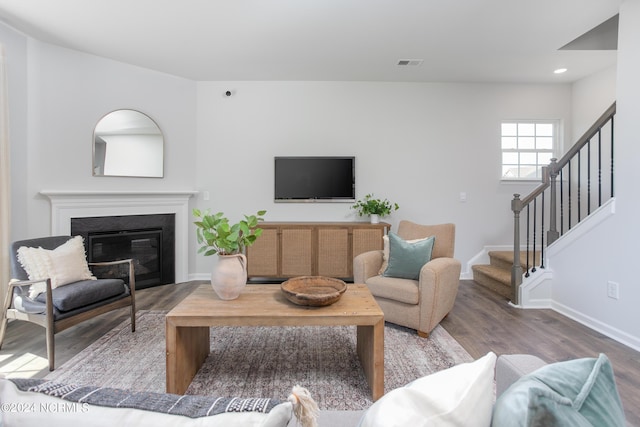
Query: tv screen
{"x": 315, "y": 179}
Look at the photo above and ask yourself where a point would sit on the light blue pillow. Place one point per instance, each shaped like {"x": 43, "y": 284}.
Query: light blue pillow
{"x": 406, "y": 259}
{"x": 580, "y": 392}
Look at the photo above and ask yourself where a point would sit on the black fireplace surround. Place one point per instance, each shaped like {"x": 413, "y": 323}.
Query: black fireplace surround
{"x": 147, "y": 239}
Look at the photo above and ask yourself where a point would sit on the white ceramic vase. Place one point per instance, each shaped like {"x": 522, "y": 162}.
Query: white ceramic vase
{"x": 375, "y": 218}
{"x": 229, "y": 276}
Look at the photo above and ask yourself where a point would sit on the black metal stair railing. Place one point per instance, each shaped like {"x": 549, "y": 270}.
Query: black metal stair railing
{"x": 568, "y": 184}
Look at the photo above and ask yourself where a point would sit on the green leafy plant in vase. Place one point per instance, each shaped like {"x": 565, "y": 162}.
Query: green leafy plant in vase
{"x": 375, "y": 208}
{"x": 217, "y": 236}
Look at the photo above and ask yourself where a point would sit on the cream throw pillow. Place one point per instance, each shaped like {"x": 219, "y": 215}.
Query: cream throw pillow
{"x": 461, "y": 396}
{"x": 385, "y": 251}
{"x": 63, "y": 265}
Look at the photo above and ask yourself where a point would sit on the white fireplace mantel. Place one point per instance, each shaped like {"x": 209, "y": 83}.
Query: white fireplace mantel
{"x": 80, "y": 204}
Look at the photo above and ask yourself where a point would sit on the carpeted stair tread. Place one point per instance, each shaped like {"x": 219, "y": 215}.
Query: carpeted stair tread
{"x": 494, "y": 278}
{"x": 504, "y": 259}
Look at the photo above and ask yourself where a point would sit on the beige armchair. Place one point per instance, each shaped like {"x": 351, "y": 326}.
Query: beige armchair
{"x": 417, "y": 304}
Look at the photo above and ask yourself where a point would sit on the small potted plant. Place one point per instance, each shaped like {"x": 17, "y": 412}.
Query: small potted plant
{"x": 229, "y": 242}
{"x": 375, "y": 208}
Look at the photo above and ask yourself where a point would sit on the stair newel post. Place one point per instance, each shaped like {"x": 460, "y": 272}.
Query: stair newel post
{"x": 552, "y": 171}
{"x": 516, "y": 269}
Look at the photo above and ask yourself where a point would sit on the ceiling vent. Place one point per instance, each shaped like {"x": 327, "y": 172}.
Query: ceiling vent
{"x": 410, "y": 62}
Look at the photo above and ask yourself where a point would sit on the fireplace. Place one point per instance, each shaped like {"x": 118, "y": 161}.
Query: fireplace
{"x": 74, "y": 204}
{"x": 147, "y": 239}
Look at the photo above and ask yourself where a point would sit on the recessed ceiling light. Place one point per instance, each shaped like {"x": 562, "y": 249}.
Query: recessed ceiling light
{"x": 560, "y": 71}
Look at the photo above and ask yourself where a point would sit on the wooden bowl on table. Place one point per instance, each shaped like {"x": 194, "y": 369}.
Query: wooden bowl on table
{"x": 315, "y": 291}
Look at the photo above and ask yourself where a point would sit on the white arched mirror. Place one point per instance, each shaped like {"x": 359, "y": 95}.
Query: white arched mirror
{"x": 128, "y": 143}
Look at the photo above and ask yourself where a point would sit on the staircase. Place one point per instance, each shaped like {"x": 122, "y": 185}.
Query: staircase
{"x": 496, "y": 276}
{"x": 572, "y": 188}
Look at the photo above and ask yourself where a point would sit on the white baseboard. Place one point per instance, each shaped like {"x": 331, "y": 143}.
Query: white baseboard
{"x": 536, "y": 294}
{"x": 596, "y": 325}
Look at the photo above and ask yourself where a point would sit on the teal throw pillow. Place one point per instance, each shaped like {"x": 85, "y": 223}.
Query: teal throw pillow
{"x": 580, "y": 392}
{"x": 406, "y": 259}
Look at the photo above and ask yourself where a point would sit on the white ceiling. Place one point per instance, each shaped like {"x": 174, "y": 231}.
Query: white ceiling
{"x": 361, "y": 40}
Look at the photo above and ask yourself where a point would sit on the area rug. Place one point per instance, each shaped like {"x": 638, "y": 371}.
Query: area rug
{"x": 262, "y": 361}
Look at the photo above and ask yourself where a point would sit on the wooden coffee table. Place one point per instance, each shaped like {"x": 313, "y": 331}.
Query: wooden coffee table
{"x": 187, "y": 327}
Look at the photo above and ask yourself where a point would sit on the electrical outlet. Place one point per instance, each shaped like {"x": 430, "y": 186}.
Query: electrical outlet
{"x": 613, "y": 290}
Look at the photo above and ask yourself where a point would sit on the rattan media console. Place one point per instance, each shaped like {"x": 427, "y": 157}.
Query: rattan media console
{"x": 291, "y": 249}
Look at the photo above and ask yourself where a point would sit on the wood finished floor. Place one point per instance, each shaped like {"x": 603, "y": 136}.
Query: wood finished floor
{"x": 481, "y": 321}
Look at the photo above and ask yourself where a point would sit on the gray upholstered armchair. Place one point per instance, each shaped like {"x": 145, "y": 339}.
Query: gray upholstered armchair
{"x": 417, "y": 304}
{"x": 55, "y": 299}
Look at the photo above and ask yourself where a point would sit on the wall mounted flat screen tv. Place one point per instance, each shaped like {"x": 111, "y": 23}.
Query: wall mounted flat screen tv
{"x": 319, "y": 179}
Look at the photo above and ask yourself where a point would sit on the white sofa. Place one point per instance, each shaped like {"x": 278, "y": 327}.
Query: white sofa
{"x": 508, "y": 369}
{"x": 459, "y": 396}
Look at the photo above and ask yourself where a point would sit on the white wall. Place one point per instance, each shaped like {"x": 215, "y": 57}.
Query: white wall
{"x": 609, "y": 252}
{"x": 68, "y": 92}
{"x": 15, "y": 46}
{"x": 590, "y": 97}
{"x": 419, "y": 145}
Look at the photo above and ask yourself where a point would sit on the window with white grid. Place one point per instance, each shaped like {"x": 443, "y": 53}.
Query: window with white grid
{"x": 527, "y": 146}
